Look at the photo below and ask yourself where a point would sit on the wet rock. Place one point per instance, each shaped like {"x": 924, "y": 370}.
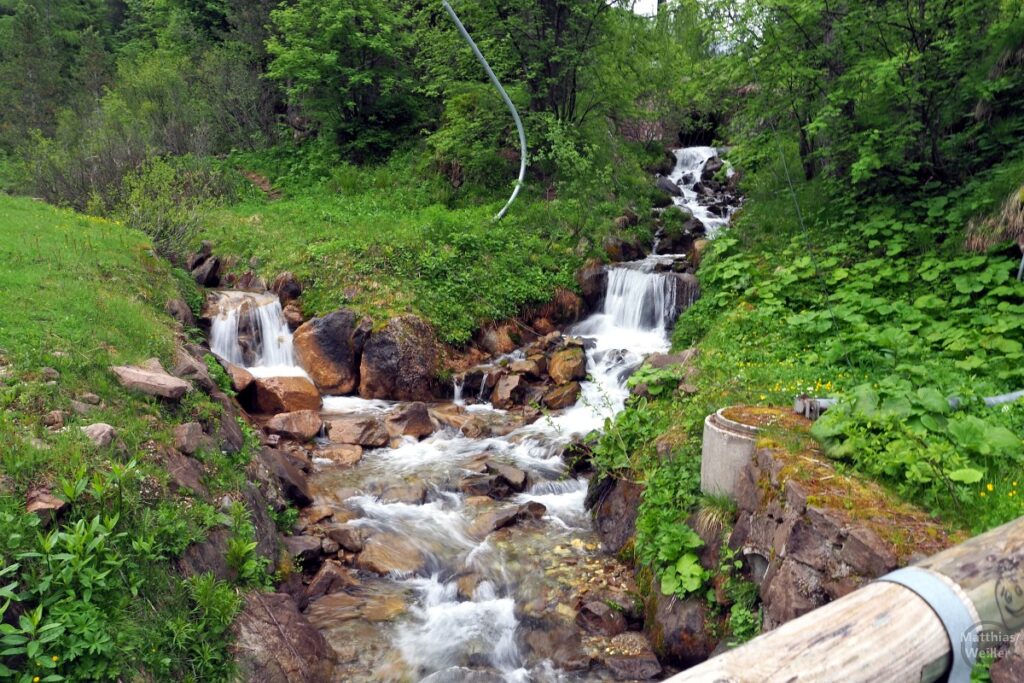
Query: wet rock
{"x": 179, "y": 310}
{"x": 185, "y": 472}
{"x": 613, "y": 503}
{"x": 152, "y": 380}
{"x": 410, "y": 494}
{"x": 699, "y": 247}
{"x": 293, "y": 315}
{"x": 207, "y": 273}
{"x": 343, "y": 454}
{"x": 711, "y": 167}
{"x": 629, "y": 657}
{"x": 531, "y": 368}
{"x": 492, "y": 486}
{"x": 301, "y": 425}
{"x": 188, "y": 437}
{"x": 241, "y": 379}
{"x": 275, "y": 643}
{"x": 306, "y": 549}
{"x": 679, "y": 629}
{"x": 513, "y": 476}
{"x": 593, "y": 281}
{"x": 492, "y": 520}
{"x": 567, "y": 365}
{"x": 459, "y": 674}
{"x": 411, "y": 420}
{"x": 290, "y": 479}
{"x": 562, "y": 396}
{"x": 668, "y": 186}
{"x": 476, "y": 427}
{"x": 43, "y": 504}
{"x": 287, "y": 287}
{"x": 285, "y": 395}
{"x": 196, "y": 259}
{"x": 387, "y": 553}
{"x": 499, "y": 338}
{"x": 100, "y": 433}
{"x": 348, "y": 537}
{"x": 531, "y": 511}
{"x": 400, "y": 362}
{"x": 366, "y": 431}
{"x": 599, "y": 619}
{"x": 510, "y": 391}
{"x": 329, "y": 349}
{"x": 331, "y": 579}
{"x": 687, "y": 291}
{"x": 559, "y": 643}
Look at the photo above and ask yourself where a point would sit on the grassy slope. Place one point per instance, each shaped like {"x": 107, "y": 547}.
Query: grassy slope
{"x": 387, "y": 240}
{"x": 80, "y": 294}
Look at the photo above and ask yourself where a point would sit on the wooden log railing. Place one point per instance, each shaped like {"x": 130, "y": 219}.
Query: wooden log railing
{"x": 885, "y": 632}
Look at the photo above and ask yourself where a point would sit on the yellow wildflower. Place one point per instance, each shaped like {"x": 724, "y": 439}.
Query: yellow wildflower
{"x": 990, "y": 487}
{"x": 982, "y": 494}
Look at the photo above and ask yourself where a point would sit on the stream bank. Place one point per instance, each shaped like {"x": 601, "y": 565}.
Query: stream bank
{"x": 440, "y": 537}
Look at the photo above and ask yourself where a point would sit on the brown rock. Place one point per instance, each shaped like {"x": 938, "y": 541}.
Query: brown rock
{"x": 100, "y": 433}
{"x": 562, "y": 396}
{"x": 188, "y": 437}
{"x": 293, "y": 315}
{"x": 867, "y": 554}
{"x": 526, "y": 367}
{"x": 492, "y": 520}
{"x": 55, "y": 419}
{"x": 499, "y": 338}
{"x": 410, "y": 494}
{"x": 342, "y": 454}
{"x": 185, "y": 472}
{"x": 241, "y": 379}
{"x": 287, "y": 287}
{"x": 301, "y": 425}
{"x": 697, "y": 253}
{"x": 153, "y": 382}
{"x": 510, "y": 391}
{"x": 329, "y": 349}
{"x": 291, "y": 480}
{"x": 492, "y": 486}
{"x": 306, "y": 549}
{"x": 790, "y": 591}
{"x": 561, "y": 644}
{"x": 599, "y": 619}
{"x": 387, "y": 553}
{"x": 629, "y": 657}
{"x": 207, "y": 274}
{"x": 208, "y": 556}
{"x": 365, "y": 431}
{"x": 476, "y": 427}
{"x": 567, "y": 365}
{"x": 515, "y": 477}
{"x": 679, "y": 629}
{"x": 179, "y": 310}
{"x": 400, "y": 362}
{"x": 189, "y": 365}
{"x": 275, "y": 643}
{"x": 331, "y": 578}
{"x": 411, "y": 420}
{"x": 593, "y": 280}
{"x": 614, "y": 503}
{"x": 348, "y": 537}
{"x": 46, "y": 506}
{"x": 1009, "y": 668}
{"x": 285, "y": 395}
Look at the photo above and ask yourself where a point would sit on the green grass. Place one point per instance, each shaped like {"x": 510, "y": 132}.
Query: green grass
{"x": 97, "y": 595}
{"x": 394, "y": 239}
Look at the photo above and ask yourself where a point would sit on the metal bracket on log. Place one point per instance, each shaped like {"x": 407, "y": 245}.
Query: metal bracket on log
{"x": 812, "y": 408}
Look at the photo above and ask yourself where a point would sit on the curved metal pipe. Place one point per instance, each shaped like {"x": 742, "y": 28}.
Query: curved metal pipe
{"x": 508, "y": 103}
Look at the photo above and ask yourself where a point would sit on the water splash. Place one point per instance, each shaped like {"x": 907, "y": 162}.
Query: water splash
{"x": 250, "y": 330}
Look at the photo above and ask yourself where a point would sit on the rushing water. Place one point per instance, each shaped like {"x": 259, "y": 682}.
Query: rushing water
{"x": 690, "y": 163}
{"x": 467, "y": 610}
{"x": 250, "y": 330}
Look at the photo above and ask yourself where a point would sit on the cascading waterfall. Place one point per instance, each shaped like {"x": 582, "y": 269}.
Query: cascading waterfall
{"x": 250, "y": 330}
{"x": 451, "y": 631}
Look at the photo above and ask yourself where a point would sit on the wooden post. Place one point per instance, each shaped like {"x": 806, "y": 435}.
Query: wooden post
{"x": 883, "y": 631}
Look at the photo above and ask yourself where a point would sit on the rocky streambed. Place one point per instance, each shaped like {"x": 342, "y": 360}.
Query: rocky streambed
{"x": 448, "y": 540}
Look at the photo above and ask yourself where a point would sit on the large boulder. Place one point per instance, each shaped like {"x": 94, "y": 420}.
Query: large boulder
{"x": 329, "y": 349}
{"x": 510, "y": 391}
{"x": 687, "y": 291}
{"x": 614, "y": 503}
{"x": 680, "y": 630}
{"x": 387, "y": 553}
{"x": 619, "y": 249}
{"x": 400, "y": 362}
{"x": 593, "y": 281}
{"x": 287, "y": 288}
{"x": 290, "y": 478}
{"x": 561, "y": 396}
{"x": 667, "y": 185}
{"x": 188, "y": 437}
{"x": 285, "y": 395}
{"x": 275, "y": 643}
{"x": 151, "y": 379}
{"x": 567, "y": 365}
{"x": 301, "y": 425}
{"x": 411, "y": 420}
{"x": 358, "y": 430}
